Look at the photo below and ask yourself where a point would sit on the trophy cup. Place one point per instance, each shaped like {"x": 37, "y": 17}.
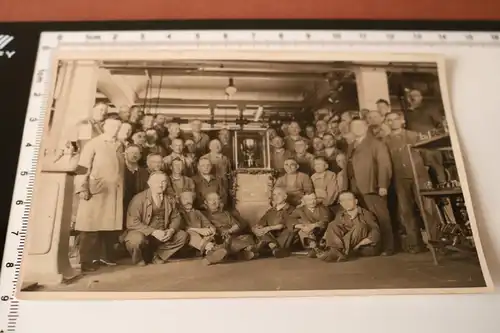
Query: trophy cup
{"x": 249, "y": 147}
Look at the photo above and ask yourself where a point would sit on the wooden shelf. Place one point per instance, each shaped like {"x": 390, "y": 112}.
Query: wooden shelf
{"x": 436, "y": 142}
{"x": 441, "y": 192}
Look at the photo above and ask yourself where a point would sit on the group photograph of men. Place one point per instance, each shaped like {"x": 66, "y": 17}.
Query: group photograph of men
{"x": 339, "y": 180}
{"x": 176, "y": 190}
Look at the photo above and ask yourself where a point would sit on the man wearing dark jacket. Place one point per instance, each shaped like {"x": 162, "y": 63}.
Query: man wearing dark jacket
{"x": 422, "y": 118}
{"x": 353, "y": 231}
{"x": 369, "y": 171}
{"x": 135, "y": 177}
{"x": 404, "y": 183}
{"x": 154, "y": 224}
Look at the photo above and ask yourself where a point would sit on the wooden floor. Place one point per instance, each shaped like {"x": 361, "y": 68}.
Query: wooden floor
{"x": 293, "y": 273}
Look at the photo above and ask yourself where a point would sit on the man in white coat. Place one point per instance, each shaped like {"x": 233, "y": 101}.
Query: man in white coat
{"x": 85, "y": 131}
{"x": 100, "y": 212}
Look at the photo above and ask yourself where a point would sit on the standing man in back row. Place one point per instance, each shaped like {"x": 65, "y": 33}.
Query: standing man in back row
{"x": 404, "y": 184}
{"x": 293, "y": 134}
{"x": 91, "y": 127}
{"x": 200, "y": 139}
{"x": 422, "y": 118}
{"x": 369, "y": 171}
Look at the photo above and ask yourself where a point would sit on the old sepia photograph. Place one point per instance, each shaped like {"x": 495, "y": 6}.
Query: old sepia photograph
{"x": 219, "y": 174}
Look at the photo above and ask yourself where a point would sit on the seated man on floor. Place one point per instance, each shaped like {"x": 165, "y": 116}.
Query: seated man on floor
{"x": 231, "y": 230}
{"x": 310, "y": 221}
{"x": 271, "y": 231}
{"x": 354, "y": 231}
{"x": 201, "y": 231}
{"x": 296, "y": 183}
{"x": 154, "y": 224}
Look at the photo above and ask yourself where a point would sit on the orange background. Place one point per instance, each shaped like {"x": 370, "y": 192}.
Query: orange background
{"x": 79, "y": 10}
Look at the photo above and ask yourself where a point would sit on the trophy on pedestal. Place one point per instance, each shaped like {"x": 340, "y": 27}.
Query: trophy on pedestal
{"x": 248, "y": 147}
{"x": 251, "y": 149}
{"x": 252, "y": 174}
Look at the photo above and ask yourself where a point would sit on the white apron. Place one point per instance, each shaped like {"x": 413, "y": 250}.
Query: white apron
{"x": 105, "y": 163}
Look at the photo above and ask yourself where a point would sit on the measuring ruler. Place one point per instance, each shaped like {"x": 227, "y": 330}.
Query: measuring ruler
{"x": 40, "y": 91}
{"x": 22, "y": 196}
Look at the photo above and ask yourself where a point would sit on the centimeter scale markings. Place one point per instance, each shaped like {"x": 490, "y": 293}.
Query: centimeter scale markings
{"x": 270, "y": 38}
{"x": 38, "y": 103}
{"x": 23, "y": 191}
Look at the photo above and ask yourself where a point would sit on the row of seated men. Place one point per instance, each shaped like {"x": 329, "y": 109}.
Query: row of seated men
{"x": 158, "y": 226}
{"x": 324, "y": 185}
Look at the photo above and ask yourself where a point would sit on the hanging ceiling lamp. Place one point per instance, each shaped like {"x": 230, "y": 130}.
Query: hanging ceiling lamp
{"x": 231, "y": 89}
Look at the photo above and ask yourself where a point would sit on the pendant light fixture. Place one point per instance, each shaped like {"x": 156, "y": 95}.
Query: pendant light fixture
{"x": 231, "y": 89}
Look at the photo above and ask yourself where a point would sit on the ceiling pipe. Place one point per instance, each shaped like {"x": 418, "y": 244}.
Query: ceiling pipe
{"x": 321, "y": 71}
